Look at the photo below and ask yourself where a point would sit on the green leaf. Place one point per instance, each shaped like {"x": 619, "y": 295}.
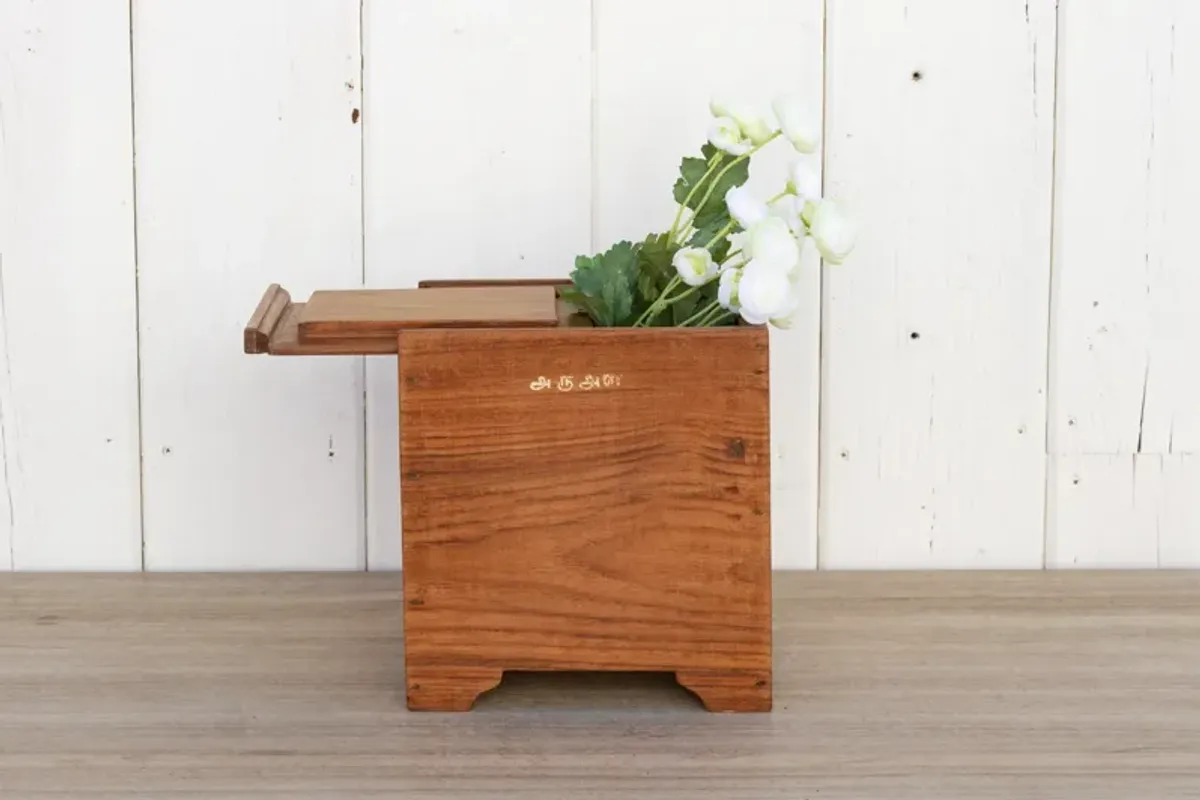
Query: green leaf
{"x": 578, "y": 299}
{"x": 655, "y": 269}
{"x": 705, "y": 234}
{"x": 691, "y": 174}
{"x": 682, "y": 309}
{"x": 607, "y": 284}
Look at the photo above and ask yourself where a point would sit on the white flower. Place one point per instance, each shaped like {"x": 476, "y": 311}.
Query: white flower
{"x": 832, "y": 231}
{"x": 719, "y": 106}
{"x": 744, "y": 207}
{"x": 763, "y": 292}
{"x": 695, "y": 265}
{"x": 803, "y": 181}
{"x": 786, "y": 319}
{"x": 754, "y": 124}
{"x": 727, "y": 288}
{"x": 771, "y": 242}
{"x": 800, "y": 125}
{"x": 784, "y": 323}
{"x": 724, "y": 134}
{"x": 787, "y": 208}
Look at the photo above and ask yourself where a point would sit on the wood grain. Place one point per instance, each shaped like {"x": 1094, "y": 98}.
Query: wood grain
{"x": 375, "y": 313}
{"x": 905, "y": 686}
{"x": 625, "y": 526}
{"x": 274, "y": 328}
{"x": 274, "y": 305}
{"x": 285, "y": 340}
{"x": 450, "y": 283}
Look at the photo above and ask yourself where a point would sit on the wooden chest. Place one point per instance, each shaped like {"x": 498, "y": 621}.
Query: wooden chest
{"x": 573, "y": 498}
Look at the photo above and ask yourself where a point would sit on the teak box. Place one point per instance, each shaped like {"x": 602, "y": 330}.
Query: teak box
{"x": 573, "y": 498}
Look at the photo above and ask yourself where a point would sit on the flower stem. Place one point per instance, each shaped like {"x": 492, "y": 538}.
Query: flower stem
{"x": 713, "y": 184}
{"x": 700, "y": 315}
{"x": 717, "y": 314}
{"x": 721, "y": 234}
{"x": 719, "y": 318}
{"x": 712, "y": 165}
{"x": 658, "y": 305}
{"x": 684, "y": 233}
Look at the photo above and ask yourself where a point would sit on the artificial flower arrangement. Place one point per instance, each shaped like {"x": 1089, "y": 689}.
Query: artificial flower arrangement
{"x": 728, "y": 255}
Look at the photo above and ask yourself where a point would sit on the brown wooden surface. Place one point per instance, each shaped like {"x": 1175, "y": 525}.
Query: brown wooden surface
{"x": 624, "y": 527}
{"x": 274, "y": 329}
{"x": 372, "y": 313}
{"x": 888, "y": 686}
{"x": 443, "y": 283}
{"x": 286, "y": 341}
{"x": 265, "y": 320}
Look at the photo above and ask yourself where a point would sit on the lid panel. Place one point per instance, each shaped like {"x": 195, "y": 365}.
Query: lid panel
{"x": 375, "y": 313}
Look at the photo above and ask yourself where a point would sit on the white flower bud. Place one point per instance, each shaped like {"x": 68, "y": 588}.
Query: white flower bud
{"x": 832, "y": 231}
{"x": 800, "y": 125}
{"x": 724, "y": 134}
{"x": 744, "y": 207}
{"x": 695, "y": 265}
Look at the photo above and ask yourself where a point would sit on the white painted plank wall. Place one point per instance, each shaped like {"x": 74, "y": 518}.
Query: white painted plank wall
{"x": 1125, "y": 400}
{"x": 940, "y": 137}
{"x": 651, "y": 106}
{"x": 248, "y": 172}
{"x": 68, "y": 322}
{"x": 503, "y": 138}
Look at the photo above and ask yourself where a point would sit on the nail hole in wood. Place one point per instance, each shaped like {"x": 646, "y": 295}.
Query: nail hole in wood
{"x": 914, "y": 335}
{"x": 354, "y": 116}
{"x": 917, "y": 76}
{"x": 736, "y": 448}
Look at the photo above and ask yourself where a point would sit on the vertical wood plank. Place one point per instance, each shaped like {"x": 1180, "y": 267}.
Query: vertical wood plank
{"x": 939, "y": 118}
{"x": 68, "y": 336}
{"x": 1178, "y": 531}
{"x": 1128, "y": 194}
{"x": 1123, "y": 511}
{"x": 657, "y": 68}
{"x": 248, "y": 172}
{"x": 478, "y": 147}
{"x": 1106, "y": 511}
{"x": 1125, "y": 390}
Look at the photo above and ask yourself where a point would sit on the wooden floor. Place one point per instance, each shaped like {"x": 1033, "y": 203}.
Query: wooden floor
{"x": 949, "y": 685}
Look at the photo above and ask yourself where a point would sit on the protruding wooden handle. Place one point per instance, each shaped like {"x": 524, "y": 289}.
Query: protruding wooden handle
{"x": 257, "y": 336}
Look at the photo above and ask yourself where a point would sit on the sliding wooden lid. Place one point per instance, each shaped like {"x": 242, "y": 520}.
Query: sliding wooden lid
{"x": 376, "y": 313}
{"x": 366, "y": 322}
